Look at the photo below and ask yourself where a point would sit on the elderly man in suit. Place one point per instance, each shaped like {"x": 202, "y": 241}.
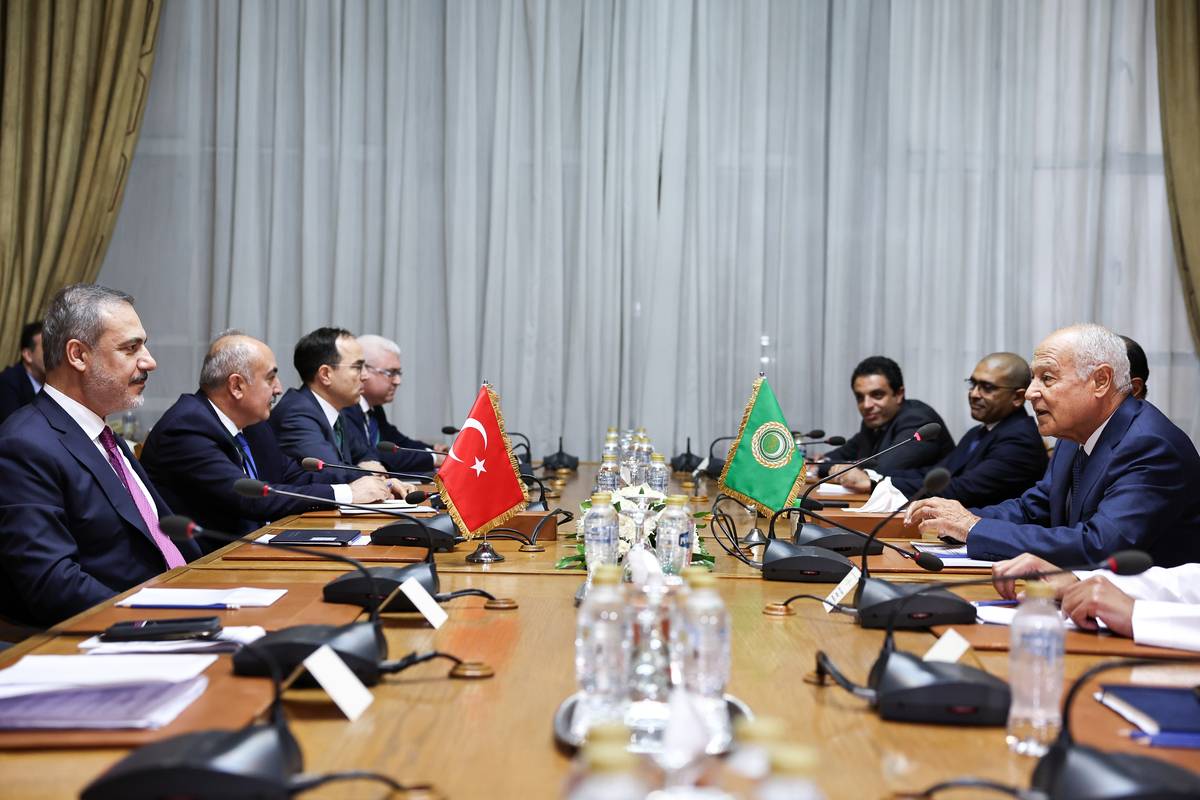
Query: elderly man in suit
{"x": 309, "y": 422}
{"x": 20, "y": 382}
{"x": 79, "y": 517}
{"x": 999, "y": 458}
{"x": 209, "y": 439}
{"x": 1122, "y": 475}
{"x": 381, "y": 378}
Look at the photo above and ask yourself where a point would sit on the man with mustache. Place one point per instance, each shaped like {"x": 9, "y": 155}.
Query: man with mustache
{"x": 79, "y": 517}
{"x": 997, "y": 459}
{"x": 1122, "y": 476}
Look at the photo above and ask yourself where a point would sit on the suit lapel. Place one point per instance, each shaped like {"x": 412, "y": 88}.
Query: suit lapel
{"x": 1060, "y": 480}
{"x": 319, "y": 412}
{"x": 90, "y": 458}
{"x": 963, "y": 456}
{"x": 1097, "y": 463}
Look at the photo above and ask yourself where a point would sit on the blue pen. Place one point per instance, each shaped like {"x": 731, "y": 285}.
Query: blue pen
{"x": 1167, "y": 739}
{"x": 219, "y": 606}
{"x": 995, "y": 602}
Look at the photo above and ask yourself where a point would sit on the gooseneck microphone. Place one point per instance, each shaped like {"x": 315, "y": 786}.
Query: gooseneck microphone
{"x": 901, "y": 686}
{"x": 927, "y": 431}
{"x": 713, "y": 465}
{"x": 317, "y": 465}
{"x": 835, "y": 441}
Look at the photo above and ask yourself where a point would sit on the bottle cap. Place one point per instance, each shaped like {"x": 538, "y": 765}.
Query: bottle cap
{"x": 677, "y": 499}
{"x": 691, "y": 570}
{"x": 658, "y": 458}
{"x": 701, "y": 580}
{"x": 1039, "y": 590}
{"x": 602, "y": 498}
{"x": 609, "y": 457}
{"x": 760, "y": 730}
{"x": 792, "y": 759}
{"x": 609, "y": 731}
{"x": 607, "y": 575}
{"x": 608, "y": 757}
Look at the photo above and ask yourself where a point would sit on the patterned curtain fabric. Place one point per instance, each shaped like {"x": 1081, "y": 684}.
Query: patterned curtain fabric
{"x": 75, "y": 79}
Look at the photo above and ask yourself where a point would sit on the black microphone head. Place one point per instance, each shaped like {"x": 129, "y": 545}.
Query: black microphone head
{"x": 415, "y": 497}
{"x": 178, "y": 528}
{"x": 929, "y": 561}
{"x": 449, "y": 430}
{"x": 387, "y": 447}
{"x": 836, "y": 441}
{"x": 1128, "y": 562}
{"x": 312, "y": 464}
{"x": 927, "y": 431}
{"x": 808, "y": 504}
{"x": 935, "y": 480}
{"x": 815, "y": 433}
{"x": 248, "y": 487}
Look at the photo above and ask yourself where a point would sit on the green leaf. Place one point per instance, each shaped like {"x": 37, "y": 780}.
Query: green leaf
{"x": 570, "y": 562}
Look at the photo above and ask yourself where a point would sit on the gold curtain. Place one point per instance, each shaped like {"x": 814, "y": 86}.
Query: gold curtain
{"x": 1177, "y": 23}
{"x": 75, "y": 78}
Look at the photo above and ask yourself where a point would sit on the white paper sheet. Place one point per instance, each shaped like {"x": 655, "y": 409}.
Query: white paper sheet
{"x": 241, "y": 597}
{"x": 35, "y": 674}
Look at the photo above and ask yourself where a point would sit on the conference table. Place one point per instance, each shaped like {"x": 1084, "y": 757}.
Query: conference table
{"x": 493, "y": 738}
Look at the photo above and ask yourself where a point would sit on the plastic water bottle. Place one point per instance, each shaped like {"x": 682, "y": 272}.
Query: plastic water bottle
{"x": 791, "y": 775}
{"x": 673, "y": 535}
{"x": 1035, "y": 672}
{"x": 659, "y": 475}
{"x": 600, "y": 528}
{"x": 642, "y": 449}
{"x": 608, "y": 477}
{"x": 612, "y": 447}
{"x": 706, "y": 661}
{"x": 602, "y": 637}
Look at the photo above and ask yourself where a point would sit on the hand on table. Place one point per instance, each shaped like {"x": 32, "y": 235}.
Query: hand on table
{"x": 937, "y": 515}
{"x": 369, "y": 489}
{"x": 1097, "y": 599}
{"x": 1006, "y": 584}
{"x": 400, "y": 489}
{"x": 856, "y": 480}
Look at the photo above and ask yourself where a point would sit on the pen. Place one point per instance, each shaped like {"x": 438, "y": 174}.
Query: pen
{"x": 996, "y": 602}
{"x": 218, "y": 606}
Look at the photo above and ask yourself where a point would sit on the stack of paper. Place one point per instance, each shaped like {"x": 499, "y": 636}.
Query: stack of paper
{"x": 386, "y": 505}
{"x": 241, "y": 597}
{"x": 132, "y": 691}
{"x": 951, "y": 555}
{"x": 227, "y": 641}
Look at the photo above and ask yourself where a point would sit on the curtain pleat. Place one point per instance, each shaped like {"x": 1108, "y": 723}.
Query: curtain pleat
{"x": 75, "y": 80}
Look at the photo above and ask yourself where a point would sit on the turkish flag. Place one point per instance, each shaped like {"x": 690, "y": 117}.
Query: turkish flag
{"x": 479, "y": 480}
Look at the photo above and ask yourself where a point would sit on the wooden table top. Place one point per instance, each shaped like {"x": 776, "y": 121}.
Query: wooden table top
{"x": 493, "y": 738}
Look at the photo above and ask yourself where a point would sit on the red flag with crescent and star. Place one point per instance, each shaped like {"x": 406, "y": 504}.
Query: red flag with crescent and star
{"x": 479, "y": 480}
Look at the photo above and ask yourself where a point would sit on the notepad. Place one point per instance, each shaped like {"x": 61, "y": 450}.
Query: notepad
{"x": 37, "y": 674}
{"x": 241, "y": 597}
{"x": 1158, "y": 711}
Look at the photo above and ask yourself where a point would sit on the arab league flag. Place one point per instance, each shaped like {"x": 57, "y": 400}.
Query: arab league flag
{"x": 479, "y": 480}
{"x": 763, "y": 468}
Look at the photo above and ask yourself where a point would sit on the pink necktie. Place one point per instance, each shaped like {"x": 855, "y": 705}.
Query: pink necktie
{"x": 169, "y": 550}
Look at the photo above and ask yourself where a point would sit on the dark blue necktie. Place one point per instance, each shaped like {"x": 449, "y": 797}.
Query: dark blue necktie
{"x": 1075, "y": 500}
{"x": 247, "y": 459}
{"x": 974, "y": 445}
{"x": 372, "y": 429}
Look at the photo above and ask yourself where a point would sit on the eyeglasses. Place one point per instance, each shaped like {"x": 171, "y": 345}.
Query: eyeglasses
{"x": 987, "y": 387}
{"x": 357, "y": 366}
{"x": 390, "y": 374}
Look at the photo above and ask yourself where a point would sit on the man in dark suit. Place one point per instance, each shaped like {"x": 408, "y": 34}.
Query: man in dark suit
{"x": 381, "y": 378}
{"x": 1122, "y": 475}
{"x": 208, "y": 440}
{"x": 79, "y": 517}
{"x": 20, "y": 382}
{"x": 997, "y": 459}
{"x": 308, "y": 421}
{"x": 888, "y": 417}
{"x": 1139, "y": 368}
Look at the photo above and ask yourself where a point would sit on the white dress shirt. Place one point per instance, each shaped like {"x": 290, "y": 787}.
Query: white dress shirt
{"x": 1166, "y": 609}
{"x": 93, "y": 425}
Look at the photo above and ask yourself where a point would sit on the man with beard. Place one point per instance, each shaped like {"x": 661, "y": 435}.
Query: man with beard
{"x": 79, "y": 517}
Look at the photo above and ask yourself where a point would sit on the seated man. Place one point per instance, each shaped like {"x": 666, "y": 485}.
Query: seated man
{"x": 888, "y": 418}
{"x": 996, "y": 460}
{"x": 1139, "y": 368}
{"x": 79, "y": 517}
{"x": 308, "y": 421}
{"x": 20, "y": 382}
{"x": 208, "y": 440}
{"x": 1122, "y": 476}
{"x": 1160, "y": 607}
{"x": 382, "y": 375}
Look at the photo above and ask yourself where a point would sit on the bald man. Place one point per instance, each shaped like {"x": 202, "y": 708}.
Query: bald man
{"x": 999, "y": 458}
{"x": 1122, "y": 476}
{"x": 209, "y": 439}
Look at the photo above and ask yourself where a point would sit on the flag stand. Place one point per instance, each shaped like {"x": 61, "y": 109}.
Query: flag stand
{"x": 484, "y": 553}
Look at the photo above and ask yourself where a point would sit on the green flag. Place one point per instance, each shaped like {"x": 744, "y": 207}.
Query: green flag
{"x": 763, "y": 467}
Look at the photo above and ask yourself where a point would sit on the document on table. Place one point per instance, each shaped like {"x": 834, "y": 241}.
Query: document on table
{"x": 227, "y": 641}
{"x": 143, "y": 706}
{"x": 1003, "y": 615}
{"x": 363, "y": 539}
{"x": 832, "y": 489}
{"x": 951, "y": 555}
{"x": 38, "y": 674}
{"x": 386, "y": 505}
{"x": 241, "y": 597}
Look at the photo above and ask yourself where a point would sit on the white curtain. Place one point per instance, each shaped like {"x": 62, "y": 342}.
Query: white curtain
{"x": 602, "y": 206}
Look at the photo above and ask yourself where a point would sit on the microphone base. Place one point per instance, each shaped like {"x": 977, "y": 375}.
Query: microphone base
{"x": 784, "y": 561}
{"x": 405, "y": 533}
{"x": 685, "y": 462}
{"x": 810, "y": 535}
{"x": 879, "y": 599}
{"x": 908, "y": 689}
{"x": 353, "y": 589}
{"x": 1085, "y": 773}
{"x": 753, "y": 539}
{"x": 258, "y": 761}
{"x": 561, "y": 460}
{"x": 356, "y": 643}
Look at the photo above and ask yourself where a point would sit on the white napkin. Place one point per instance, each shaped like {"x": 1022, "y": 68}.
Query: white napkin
{"x": 884, "y": 499}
